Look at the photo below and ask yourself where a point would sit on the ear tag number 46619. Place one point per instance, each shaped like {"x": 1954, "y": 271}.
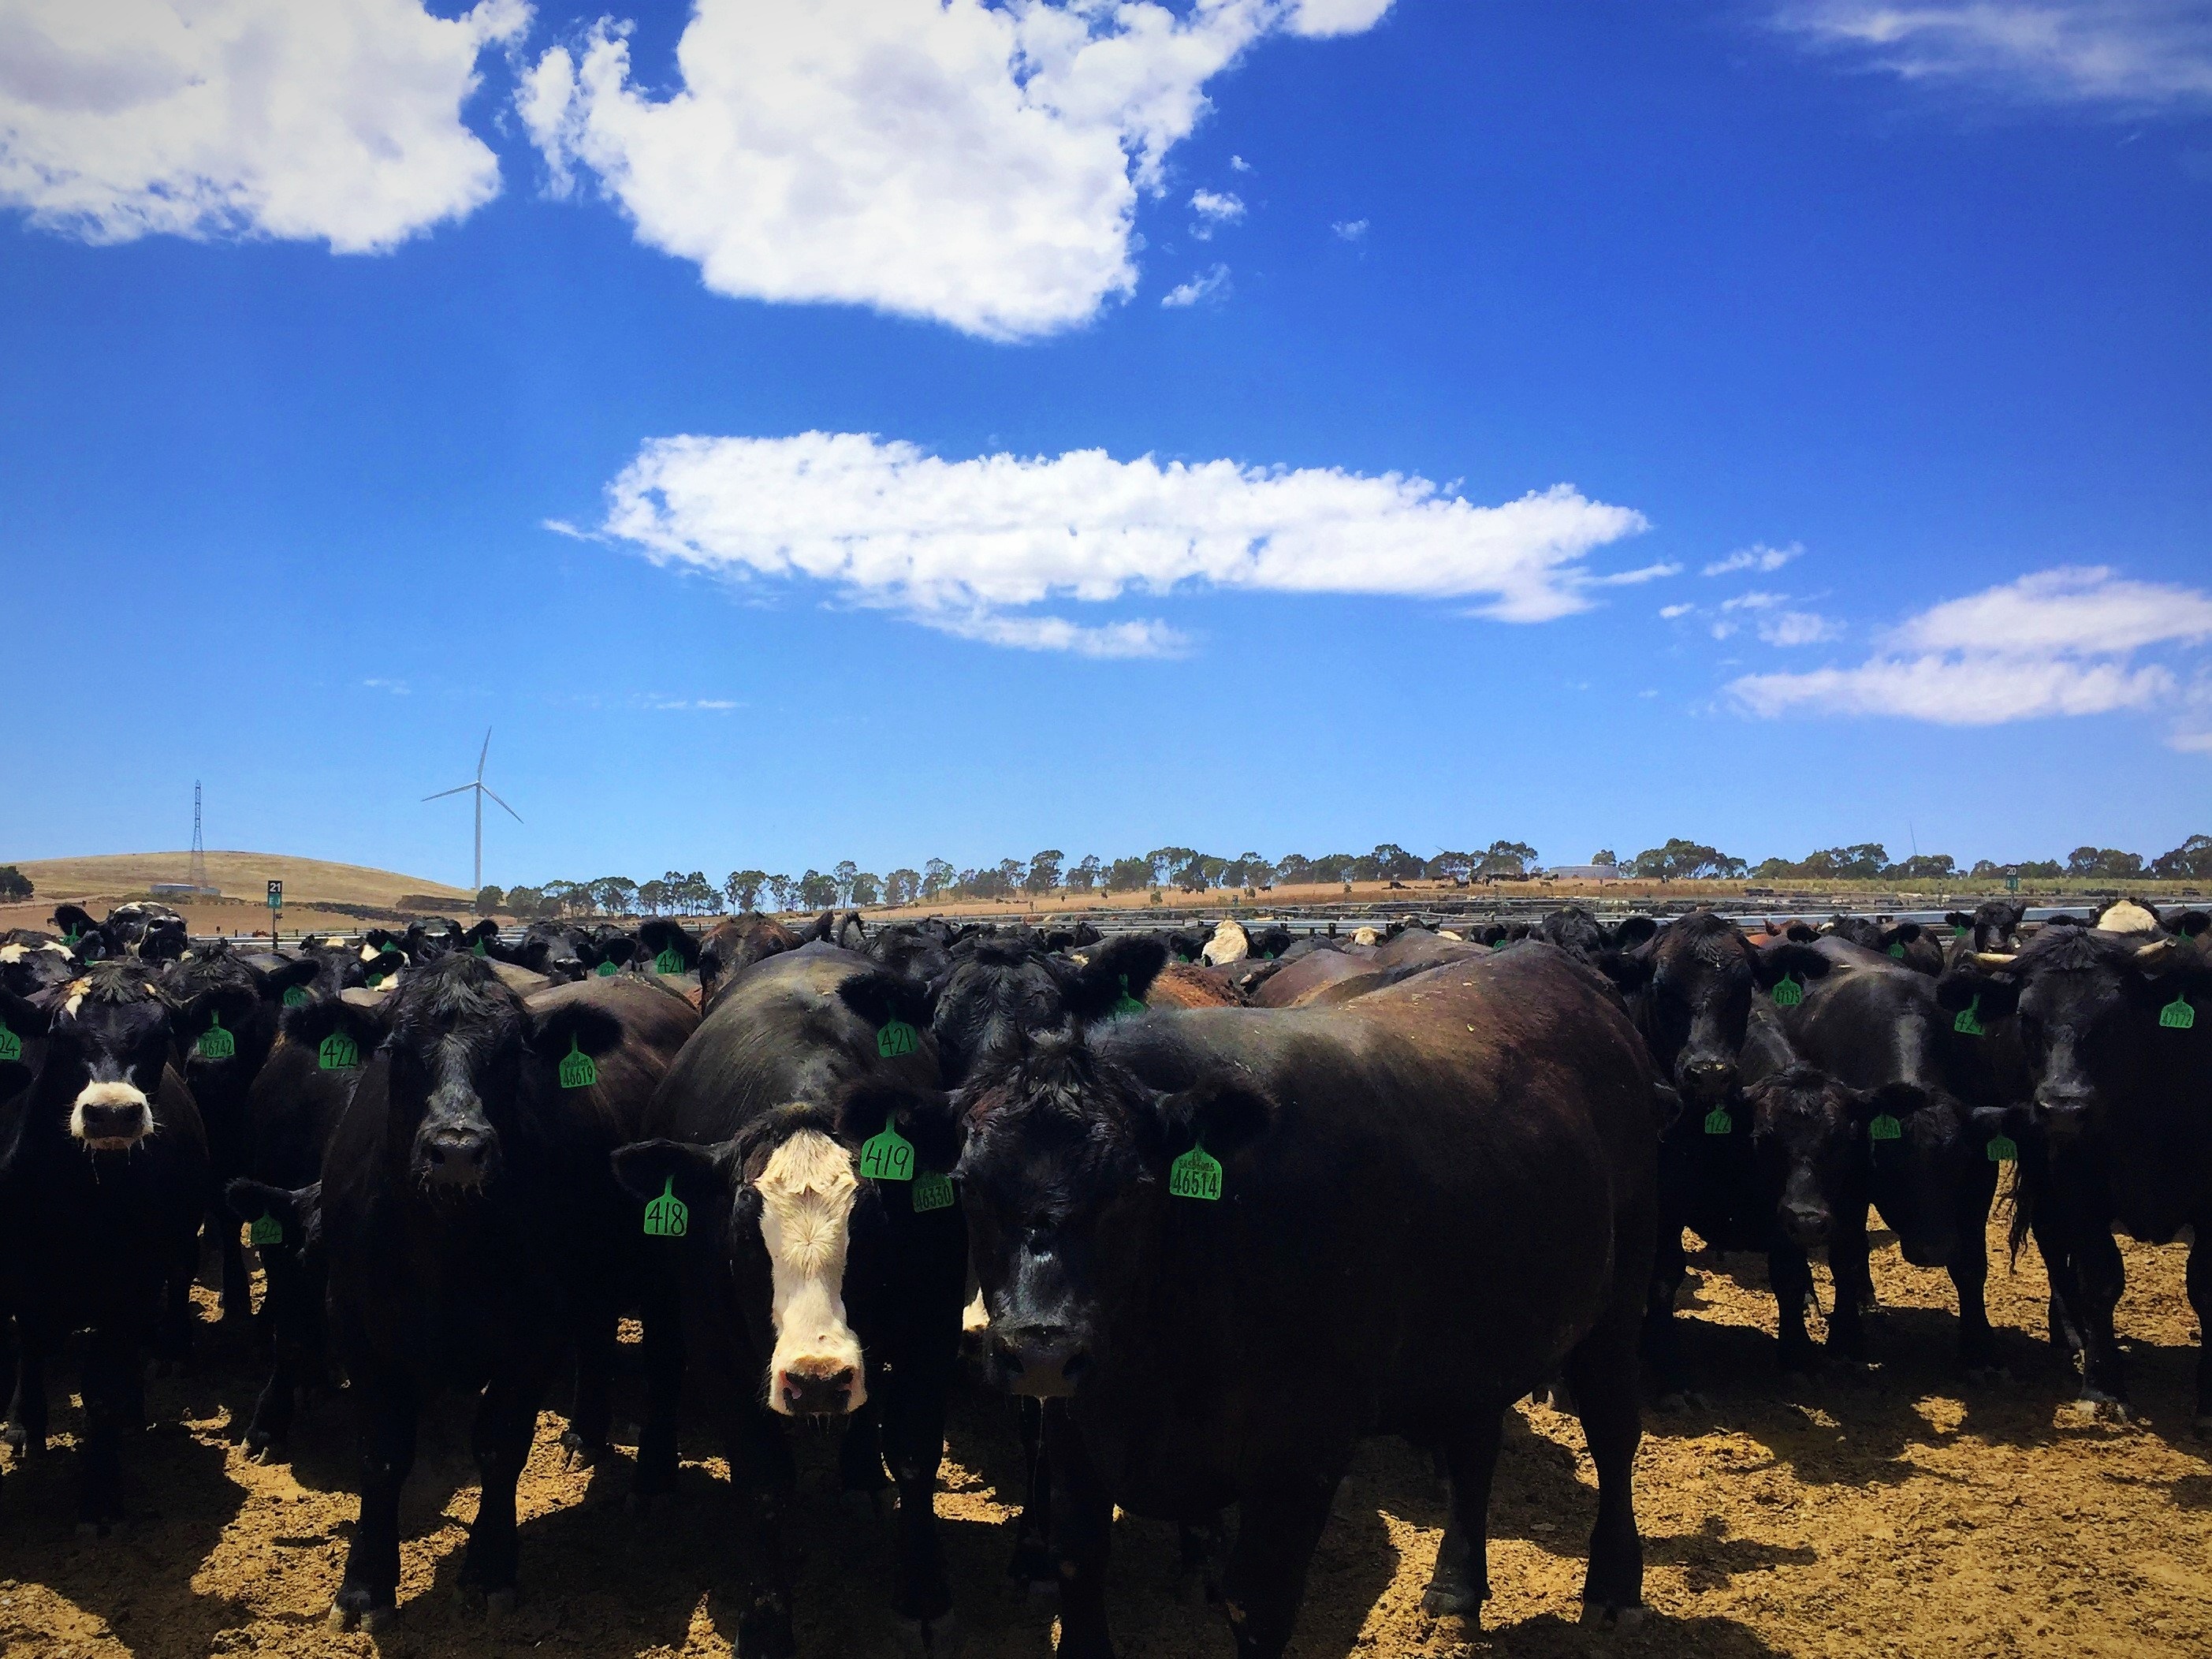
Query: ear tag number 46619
{"x": 1787, "y": 992}
{"x": 667, "y": 1216}
{"x": 215, "y": 1043}
{"x": 895, "y": 1038}
{"x": 1196, "y": 1174}
{"x": 887, "y": 1155}
{"x": 579, "y": 1070}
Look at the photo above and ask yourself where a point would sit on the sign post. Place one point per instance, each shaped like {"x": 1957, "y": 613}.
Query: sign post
{"x": 276, "y": 910}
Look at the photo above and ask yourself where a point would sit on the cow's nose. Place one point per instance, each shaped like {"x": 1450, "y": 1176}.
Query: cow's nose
{"x": 1042, "y": 1361}
{"x": 1708, "y": 1076}
{"x": 114, "y": 1121}
{"x": 822, "y": 1389}
{"x": 462, "y": 1158}
{"x": 1806, "y": 1223}
{"x": 2063, "y": 1111}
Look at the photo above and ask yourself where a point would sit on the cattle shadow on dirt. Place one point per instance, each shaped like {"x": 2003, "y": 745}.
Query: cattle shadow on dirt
{"x": 1548, "y": 1636}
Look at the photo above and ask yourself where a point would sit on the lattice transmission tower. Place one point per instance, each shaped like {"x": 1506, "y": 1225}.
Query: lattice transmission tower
{"x": 199, "y": 847}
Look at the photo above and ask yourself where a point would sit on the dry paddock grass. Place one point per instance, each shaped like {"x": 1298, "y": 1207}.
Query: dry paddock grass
{"x": 1893, "y": 1512}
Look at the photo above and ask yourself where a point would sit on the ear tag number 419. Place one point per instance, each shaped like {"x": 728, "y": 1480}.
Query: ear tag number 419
{"x": 887, "y": 1155}
{"x": 1196, "y": 1174}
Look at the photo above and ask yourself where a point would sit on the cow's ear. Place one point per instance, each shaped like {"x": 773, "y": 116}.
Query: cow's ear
{"x": 1957, "y": 919}
{"x": 233, "y": 1004}
{"x": 1991, "y": 996}
{"x": 1891, "y": 1099}
{"x": 1628, "y": 971}
{"x": 26, "y": 1019}
{"x": 1634, "y": 932}
{"x": 1906, "y": 933}
{"x": 286, "y": 976}
{"x": 924, "y": 1116}
{"x": 1801, "y": 933}
{"x": 660, "y": 937}
{"x": 879, "y": 996}
{"x": 321, "y": 1017}
{"x": 702, "y": 1177}
{"x": 556, "y": 1031}
{"x": 1122, "y": 967}
{"x": 293, "y": 1209}
{"x": 1225, "y": 1114}
{"x": 482, "y": 933}
{"x": 820, "y": 930}
{"x": 2190, "y": 924}
{"x": 1789, "y": 958}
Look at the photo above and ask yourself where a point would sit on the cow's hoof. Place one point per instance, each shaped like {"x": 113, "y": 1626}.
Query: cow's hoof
{"x": 1610, "y": 1617}
{"x": 933, "y": 1638}
{"x": 1675, "y": 1400}
{"x": 498, "y": 1604}
{"x": 359, "y": 1609}
{"x": 1451, "y": 1600}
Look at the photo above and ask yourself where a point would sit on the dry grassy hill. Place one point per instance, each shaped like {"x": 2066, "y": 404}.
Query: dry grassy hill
{"x": 244, "y": 878}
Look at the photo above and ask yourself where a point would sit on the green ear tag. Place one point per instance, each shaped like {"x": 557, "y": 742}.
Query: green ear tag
{"x": 1884, "y": 1127}
{"x": 1969, "y": 1023}
{"x": 376, "y": 981}
{"x": 215, "y": 1043}
{"x": 1126, "y": 1004}
{"x": 296, "y": 996}
{"x": 1718, "y": 1122}
{"x": 667, "y": 1216}
{"x": 669, "y": 961}
{"x": 267, "y": 1231}
{"x": 11, "y": 1046}
{"x": 2002, "y": 1150}
{"x": 1196, "y": 1174}
{"x": 1498, "y": 944}
{"x": 887, "y": 1155}
{"x": 896, "y": 1038}
{"x": 71, "y": 937}
{"x": 1898, "y": 952}
{"x": 1958, "y": 932}
{"x": 578, "y": 1069}
{"x": 338, "y": 1053}
{"x": 477, "y": 950}
{"x": 605, "y": 970}
{"x": 1787, "y": 992}
{"x": 2177, "y": 1015}
{"x": 933, "y": 1191}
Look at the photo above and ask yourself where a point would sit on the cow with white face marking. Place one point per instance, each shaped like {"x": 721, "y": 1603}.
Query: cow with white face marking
{"x": 103, "y": 1181}
{"x": 823, "y": 1270}
{"x": 31, "y": 961}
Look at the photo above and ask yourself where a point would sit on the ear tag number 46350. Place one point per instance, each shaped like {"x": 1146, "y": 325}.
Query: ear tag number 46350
{"x": 1196, "y": 1174}
{"x": 887, "y": 1155}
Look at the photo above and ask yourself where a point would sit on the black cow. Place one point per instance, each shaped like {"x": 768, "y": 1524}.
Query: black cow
{"x": 31, "y": 961}
{"x": 469, "y": 1220}
{"x": 1002, "y": 991}
{"x": 227, "y": 1011}
{"x": 1194, "y": 1228}
{"x": 1993, "y": 924}
{"x": 922, "y": 951}
{"x": 1877, "y": 1027}
{"x": 1689, "y": 987}
{"x": 2118, "y": 1044}
{"x": 817, "y": 1279}
{"x": 103, "y": 1182}
{"x": 733, "y": 944}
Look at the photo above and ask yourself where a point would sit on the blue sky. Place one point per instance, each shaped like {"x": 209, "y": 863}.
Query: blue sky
{"x": 890, "y": 429}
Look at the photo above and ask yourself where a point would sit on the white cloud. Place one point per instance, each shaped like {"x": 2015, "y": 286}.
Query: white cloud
{"x": 1759, "y": 556}
{"x": 396, "y": 688}
{"x": 2056, "y": 643}
{"x": 1754, "y": 601}
{"x": 2136, "y": 55}
{"x": 972, "y": 163}
{"x": 1238, "y": 164}
{"x": 1203, "y": 285}
{"x": 1223, "y": 207}
{"x": 1349, "y": 230}
{"x": 1788, "y": 628}
{"x": 1671, "y": 611}
{"x": 336, "y": 121}
{"x": 1647, "y": 573}
{"x": 965, "y": 546}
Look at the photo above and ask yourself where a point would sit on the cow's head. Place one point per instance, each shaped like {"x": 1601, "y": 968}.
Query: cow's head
{"x": 555, "y": 952}
{"x": 213, "y": 989}
{"x": 1693, "y": 985}
{"x": 32, "y": 964}
{"x": 1064, "y": 1178}
{"x": 1001, "y": 993}
{"x": 109, "y": 1039}
{"x": 1993, "y": 924}
{"x": 1805, "y": 1131}
{"x": 464, "y": 1053}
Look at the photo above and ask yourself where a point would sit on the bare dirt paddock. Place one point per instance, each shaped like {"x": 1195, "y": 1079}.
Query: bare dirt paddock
{"x": 1894, "y": 1512}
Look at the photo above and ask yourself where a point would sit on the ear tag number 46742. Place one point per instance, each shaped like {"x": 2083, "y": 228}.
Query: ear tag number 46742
{"x": 1196, "y": 1174}
{"x": 667, "y": 1216}
{"x": 895, "y": 1038}
{"x": 1787, "y": 992}
{"x": 579, "y": 1070}
{"x": 215, "y": 1043}
{"x": 887, "y": 1155}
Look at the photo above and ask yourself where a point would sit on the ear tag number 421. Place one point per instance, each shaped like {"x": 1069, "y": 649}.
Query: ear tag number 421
{"x": 887, "y": 1155}
{"x": 669, "y": 961}
{"x": 667, "y": 1216}
{"x": 215, "y": 1043}
{"x": 895, "y": 1038}
{"x": 1196, "y": 1174}
{"x": 579, "y": 1070}
{"x": 1787, "y": 992}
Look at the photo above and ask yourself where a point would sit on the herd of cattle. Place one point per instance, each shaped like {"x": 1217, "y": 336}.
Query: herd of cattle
{"x": 1211, "y": 1204}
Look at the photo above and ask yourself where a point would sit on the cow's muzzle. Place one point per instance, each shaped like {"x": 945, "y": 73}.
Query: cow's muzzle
{"x": 1805, "y": 1225}
{"x": 461, "y": 1155}
{"x": 1707, "y": 1077}
{"x": 1044, "y": 1362}
{"x": 818, "y": 1389}
{"x": 111, "y": 1117}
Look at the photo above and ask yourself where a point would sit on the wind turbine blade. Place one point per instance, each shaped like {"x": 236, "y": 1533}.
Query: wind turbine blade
{"x": 511, "y": 812}
{"x": 459, "y": 788}
{"x": 481, "y": 753}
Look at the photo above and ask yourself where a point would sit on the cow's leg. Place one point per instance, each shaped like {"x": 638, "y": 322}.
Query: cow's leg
{"x": 1849, "y": 1254}
{"x": 1970, "y": 1272}
{"x": 506, "y": 1419}
{"x": 1032, "y": 1562}
{"x": 2200, "y": 1298}
{"x": 103, "y": 1384}
{"x": 664, "y": 1388}
{"x": 1601, "y": 1370}
{"x": 1461, "y": 1583}
{"x": 1791, "y": 1274}
{"x": 598, "y": 1336}
{"x": 1082, "y": 1538}
{"x": 2100, "y": 1276}
{"x": 237, "y": 1283}
{"x": 914, "y": 1442}
{"x": 26, "y": 1410}
{"x": 2065, "y": 1288}
{"x": 385, "y": 1414}
{"x": 762, "y": 1477}
{"x": 1669, "y": 1268}
{"x": 1277, "y": 1529}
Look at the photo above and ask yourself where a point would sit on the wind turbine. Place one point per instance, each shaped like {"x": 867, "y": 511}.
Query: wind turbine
{"x": 478, "y": 785}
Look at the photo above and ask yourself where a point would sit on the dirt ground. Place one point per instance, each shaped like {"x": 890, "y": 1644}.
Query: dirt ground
{"x": 1896, "y": 1510}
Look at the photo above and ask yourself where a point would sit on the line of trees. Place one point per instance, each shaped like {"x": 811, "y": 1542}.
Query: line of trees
{"x": 1188, "y": 870}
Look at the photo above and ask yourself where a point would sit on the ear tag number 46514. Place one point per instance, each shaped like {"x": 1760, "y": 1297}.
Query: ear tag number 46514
{"x": 667, "y": 1216}
{"x": 1196, "y": 1174}
{"x": 579, "y": 1070}
{"x": 895, "y": 1038}
{"x": 887, "y": 1155}
{"x": 215, "y": 1043}
{"x": 1787, "y": 992}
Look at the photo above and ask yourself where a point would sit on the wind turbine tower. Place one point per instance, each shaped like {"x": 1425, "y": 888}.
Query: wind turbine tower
{"x": 478, "y": 785}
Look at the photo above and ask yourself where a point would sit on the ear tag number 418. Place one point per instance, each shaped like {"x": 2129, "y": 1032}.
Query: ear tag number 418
{"x": 667, "y": 1216}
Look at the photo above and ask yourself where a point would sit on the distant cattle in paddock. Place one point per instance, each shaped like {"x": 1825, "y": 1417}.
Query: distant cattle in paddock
{"x": 103, "y": 1183}
{"x": 1171, "y": 1240}
{"x": 471, "y": 1223}
{"x": 2116, "y": 1033}
{"x": 824, "y": 1263}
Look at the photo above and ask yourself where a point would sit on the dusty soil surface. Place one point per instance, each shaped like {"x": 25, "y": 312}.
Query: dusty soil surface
{"x": 1895, "y": 1510}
